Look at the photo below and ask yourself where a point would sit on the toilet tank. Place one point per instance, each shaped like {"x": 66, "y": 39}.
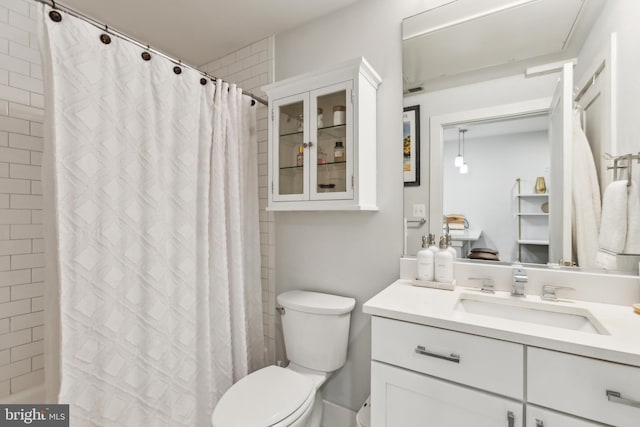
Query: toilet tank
{"x": 316, "y": 328}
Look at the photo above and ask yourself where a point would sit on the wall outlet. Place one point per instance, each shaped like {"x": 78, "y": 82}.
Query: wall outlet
{"x": 419, "y": 211}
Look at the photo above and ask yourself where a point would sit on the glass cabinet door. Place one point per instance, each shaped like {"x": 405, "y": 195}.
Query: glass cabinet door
{"x": 291, "y": 151}
{"x": 331, "y": 163}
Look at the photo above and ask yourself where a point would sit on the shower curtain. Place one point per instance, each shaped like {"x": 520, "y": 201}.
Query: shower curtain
{"x": 153, "y": 294}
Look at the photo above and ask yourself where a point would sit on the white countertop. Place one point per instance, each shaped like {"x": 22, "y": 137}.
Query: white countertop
{"x": 432, "y": 307}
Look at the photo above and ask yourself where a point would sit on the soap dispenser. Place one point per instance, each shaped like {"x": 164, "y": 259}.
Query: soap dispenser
{"x": 425, "y": 258}
{"x": 443, "y": 263}
{"x": 450, "y": 247}
{"x": 432, "y": 244}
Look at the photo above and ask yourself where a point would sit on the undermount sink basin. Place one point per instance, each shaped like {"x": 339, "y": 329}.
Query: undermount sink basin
{"x": 540, "y": 313}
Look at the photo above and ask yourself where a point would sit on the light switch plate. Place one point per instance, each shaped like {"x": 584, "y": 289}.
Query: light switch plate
{"x": 419, "y": 211}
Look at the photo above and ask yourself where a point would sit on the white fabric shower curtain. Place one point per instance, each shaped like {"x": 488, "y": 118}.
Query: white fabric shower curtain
{"x": 153, "y": 298}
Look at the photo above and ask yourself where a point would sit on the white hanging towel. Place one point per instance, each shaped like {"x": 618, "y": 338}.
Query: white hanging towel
{"x": 620, "y": 225}
{"x": 585, "y": 198}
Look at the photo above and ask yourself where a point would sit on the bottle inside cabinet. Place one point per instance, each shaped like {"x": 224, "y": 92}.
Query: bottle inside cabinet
{"x": 332, "y": 140}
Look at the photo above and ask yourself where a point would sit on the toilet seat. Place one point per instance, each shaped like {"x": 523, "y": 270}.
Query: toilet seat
{"x": 270, "y": 397}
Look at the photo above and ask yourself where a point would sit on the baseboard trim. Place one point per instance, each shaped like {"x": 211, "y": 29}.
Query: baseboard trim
{"x": 337, "y": 416}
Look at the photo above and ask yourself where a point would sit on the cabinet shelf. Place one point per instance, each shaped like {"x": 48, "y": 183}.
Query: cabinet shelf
{"x": 532, "y": 214}
{"x": 342, "y": 163}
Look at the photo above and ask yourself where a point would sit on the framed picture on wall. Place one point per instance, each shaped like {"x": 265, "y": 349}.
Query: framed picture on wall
{"x": 411, "y": 145}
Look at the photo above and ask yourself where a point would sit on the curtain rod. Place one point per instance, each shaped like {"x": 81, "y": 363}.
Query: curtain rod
{"x": 130, "y": 39}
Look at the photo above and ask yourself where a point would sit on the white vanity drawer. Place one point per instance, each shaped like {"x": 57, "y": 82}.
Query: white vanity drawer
{"x": 579, "y": 385}
{"x": 485, "y": 363}
{"x": 541, "y": 417}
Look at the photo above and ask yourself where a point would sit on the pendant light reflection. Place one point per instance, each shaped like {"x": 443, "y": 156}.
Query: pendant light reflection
{"x": 459, "y": 161}
{"x": 464, "y": 168}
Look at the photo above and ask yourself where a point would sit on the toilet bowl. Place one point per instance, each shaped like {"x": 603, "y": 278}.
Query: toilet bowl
{"x": 316, "y": 332}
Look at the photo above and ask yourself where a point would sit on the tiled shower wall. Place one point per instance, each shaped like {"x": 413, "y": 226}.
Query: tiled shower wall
{"x": 21, "y": 244}
{"x": 250, "y": 68}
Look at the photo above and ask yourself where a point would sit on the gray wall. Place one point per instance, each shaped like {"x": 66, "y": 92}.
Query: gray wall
{"x": 349, "y": 253}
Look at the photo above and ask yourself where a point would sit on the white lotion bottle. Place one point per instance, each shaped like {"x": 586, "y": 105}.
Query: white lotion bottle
{"x": 443, "y": 263}
{"x": 432, "y": 244}
{"x": 424, "y": 265}
{"x": 450, "y": 247}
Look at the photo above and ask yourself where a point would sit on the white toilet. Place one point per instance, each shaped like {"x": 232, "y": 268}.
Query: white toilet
{"x": 316, "y": 334}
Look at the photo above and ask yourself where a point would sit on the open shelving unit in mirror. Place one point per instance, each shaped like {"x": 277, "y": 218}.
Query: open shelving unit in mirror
{"x": 532, "y": 220}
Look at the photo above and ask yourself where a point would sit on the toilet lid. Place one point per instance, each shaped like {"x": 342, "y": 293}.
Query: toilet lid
{"x": 263, "y": 398}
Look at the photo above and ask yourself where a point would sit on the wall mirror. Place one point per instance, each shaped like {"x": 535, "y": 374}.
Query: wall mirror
{"x": 505, "y": 84}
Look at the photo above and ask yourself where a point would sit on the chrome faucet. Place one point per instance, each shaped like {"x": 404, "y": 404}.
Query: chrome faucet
{"x": 487, "y": 284}
{"x": 549, "y": 292}
{"x": 519, "y": 282}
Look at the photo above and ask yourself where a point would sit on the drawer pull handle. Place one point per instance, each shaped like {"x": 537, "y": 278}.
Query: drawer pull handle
{"x": 451, "y": 358}
{"x": 614, "y": 396}
{"x": 511, "y": 419}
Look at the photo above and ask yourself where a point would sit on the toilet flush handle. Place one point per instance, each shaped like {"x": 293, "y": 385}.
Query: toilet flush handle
{"x": 281, "y": 311}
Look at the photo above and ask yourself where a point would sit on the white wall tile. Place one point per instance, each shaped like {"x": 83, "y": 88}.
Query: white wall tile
{"x": 4, "y": 14}
{"x": 36, "y": 158}
{"x": 36, "y": 130}
{"x": 22, "y": 7}
{"x": 15, "y": 216}
{"x": 36, "y": 215}
{"x": 27, "y": 83}
{"x": 22, "y": 21}
{"x": 37, "y": 304}
{"x": 13, "y": 308}
{"x": 23, "y": 201}
{"x": 37, "y": 362}
{"x": 32, "y": 231}
{"x": 4, "y": 173}
{"x": 37, "y": 246}
{"x": 15, "y": 369}
{"x": 14, "y": 34}
{"x": 14, "y": 155}
{"x": 5, "y": 357}
{"x": 26, "y": 351}
{"x": 27, "y": 261}
{"x": 13, "y": 247}
{"x": 38, "y": 333}
{"x": 5, "y": 263}
{"x": 14, "y": 94}
{"x": 37, "y": 275}
{"x": 5, "y": 388}
{"x": 18, "y": 171}
{"x": 15, "y": 338}
{"x": 4, "y": 326}
{"x": 18, "y": 126}
{"x": 29, "y": 290}
{"x": 26, "y": 112}
{"x": 15, "y": 186}
{"x": 5, "y": 294}
{"x": 16, "y": 277}
{"x": 27, "y": 381}
{"x": 26, "y": 321}
{"x": 25, "y": 53}
{"x": 18, "y": 140}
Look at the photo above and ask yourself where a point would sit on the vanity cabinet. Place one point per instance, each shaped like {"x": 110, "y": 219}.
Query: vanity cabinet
{"x": 405, "y": 398}
{"x": 422, "y": 375}
{"x": 595, "y": 389}
{"x": 322, "y": 139}
{"x": 433, "y": 377}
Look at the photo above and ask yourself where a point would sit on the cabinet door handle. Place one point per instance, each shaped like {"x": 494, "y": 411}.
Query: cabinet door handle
{"x": 539, "y": 423}
{"x": 310, "y": 144}
{"x": 451, "y": 358}
{"x": 614, "y": 396}
{"x": 305, "y": 145}
{"x": 511, "y": 419}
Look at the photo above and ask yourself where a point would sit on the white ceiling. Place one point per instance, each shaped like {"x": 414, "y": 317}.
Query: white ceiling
{"x": 199, "y": 31}
{"x": 492, "y": 128}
